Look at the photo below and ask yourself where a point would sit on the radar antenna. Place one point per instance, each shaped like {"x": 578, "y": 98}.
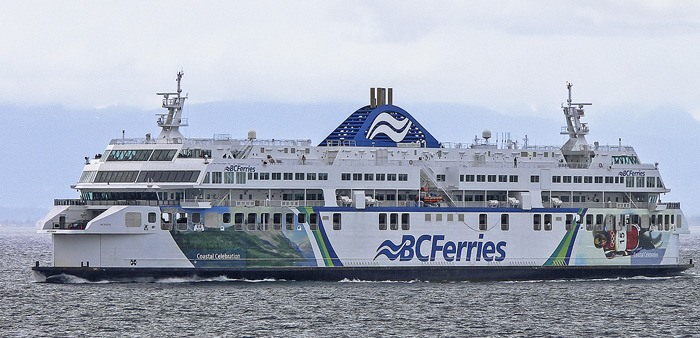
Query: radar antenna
{"x": 171, "y": 121}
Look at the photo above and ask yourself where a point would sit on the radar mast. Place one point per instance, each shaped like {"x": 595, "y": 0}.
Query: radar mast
{"x": 171, "y": 121}
{"x": 576, "y": 150}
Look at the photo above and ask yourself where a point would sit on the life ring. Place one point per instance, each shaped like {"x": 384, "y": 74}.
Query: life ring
{"x": 410, "y": 161}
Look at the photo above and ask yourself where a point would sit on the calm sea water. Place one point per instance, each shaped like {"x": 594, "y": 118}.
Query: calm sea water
{"x": 608, "y": 307}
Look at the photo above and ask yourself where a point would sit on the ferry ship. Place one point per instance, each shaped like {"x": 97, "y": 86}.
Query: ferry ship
{"x": 380, "y": 198}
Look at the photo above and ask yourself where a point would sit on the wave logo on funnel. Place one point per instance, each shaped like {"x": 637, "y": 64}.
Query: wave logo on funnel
{"x": 388, "y": 125}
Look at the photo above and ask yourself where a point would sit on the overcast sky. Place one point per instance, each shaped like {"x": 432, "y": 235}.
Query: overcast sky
{"x": 511, "y": 57}
{"x": 508, "y": 56}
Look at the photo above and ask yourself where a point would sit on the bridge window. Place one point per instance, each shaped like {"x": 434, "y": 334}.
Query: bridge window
{"x": 229, "y": 177}
{"x": 403, "y": 177}
{"x": 310, "y": 176}
{"x": 216, "y": 178}
{"x": 513, "y": 178}
{"x": 129, "y": 155}
{"x": 163, "y": 154}
{"x": 369, "y": 177}
{"x": 115, "y": 176}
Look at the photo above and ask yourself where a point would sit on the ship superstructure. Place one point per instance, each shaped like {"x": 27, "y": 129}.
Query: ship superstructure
{"x": 379, "y": 198}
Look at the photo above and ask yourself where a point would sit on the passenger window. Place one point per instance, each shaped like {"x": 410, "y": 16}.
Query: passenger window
{"x": 405, "y": 221}
{"x": 382, "y": 221}
{"x": 337, "y": 221}
{"x": 277, "y": 221}
{"x": 313, "y": 221}
{"x": 289, "y": 221}
{"x": 537, "y": 222}
{"x": 482, "y": 222}
{"x": 394, "y": 221}
{"x": 251, "y": 220}
{"x": 238, "y": 221}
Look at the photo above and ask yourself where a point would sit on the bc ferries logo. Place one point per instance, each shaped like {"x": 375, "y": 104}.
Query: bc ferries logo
{"x": 428, "y": 247}
{"x": 388, "y": 125}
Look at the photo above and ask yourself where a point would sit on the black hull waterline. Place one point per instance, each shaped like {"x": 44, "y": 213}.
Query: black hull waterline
{"x": 426, "y": 273}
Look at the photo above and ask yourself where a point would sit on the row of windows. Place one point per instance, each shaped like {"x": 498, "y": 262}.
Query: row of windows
{"x": 118, "y": 196}
{"x": 488, "y": 178}
{"x": 373, "y": 177}
{"x": 194, "y": 153}
{"x": 630, "y": 182}
{"x": 141, "y": 155}
{"x": 143, "y": 176}
{"x": 601, "y": 222}
{"x": 116, "y": 176}
{"x": 639, "y": 182}
{"x": 250, "y": 221}
{"x": 394, "y": 221}
{"x": 169, "y": 176}
{"x": 217, "y": 177}
{"x": 625, "y": 160}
